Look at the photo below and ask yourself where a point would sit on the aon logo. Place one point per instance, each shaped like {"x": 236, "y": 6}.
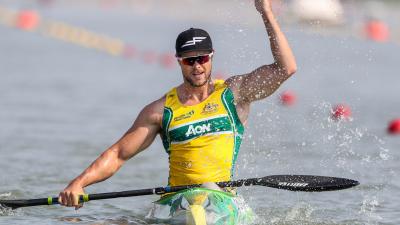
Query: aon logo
{"x": 199, "y": 129}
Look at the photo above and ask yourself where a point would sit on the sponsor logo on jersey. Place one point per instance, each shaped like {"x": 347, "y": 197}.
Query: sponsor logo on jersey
{"x": 198, "y": 130}
{"x": 184, "y": 116}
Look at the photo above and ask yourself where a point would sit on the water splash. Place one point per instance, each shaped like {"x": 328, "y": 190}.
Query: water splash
{"x": 369, "y": 209}
{"x": 5, "y": 195}
{"x": 5, "y": 211}
{"x": 279, "y": 140}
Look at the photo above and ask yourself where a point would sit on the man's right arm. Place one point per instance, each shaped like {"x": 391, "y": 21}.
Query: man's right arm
{"x": 142, "y": 133}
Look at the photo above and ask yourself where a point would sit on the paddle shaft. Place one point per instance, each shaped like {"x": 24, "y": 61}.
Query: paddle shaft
{"x": 307, "y": 183}
{"x": 89, "y": 197}
{"x": 110, "y": 195}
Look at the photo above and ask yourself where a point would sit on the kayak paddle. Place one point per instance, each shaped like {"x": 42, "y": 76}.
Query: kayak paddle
{"x": 307, "y": 183}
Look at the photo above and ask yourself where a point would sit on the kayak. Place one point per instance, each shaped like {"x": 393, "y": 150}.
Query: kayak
{"x": 201, "y": 206}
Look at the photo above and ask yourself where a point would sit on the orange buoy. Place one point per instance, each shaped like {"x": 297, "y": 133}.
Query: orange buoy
{"x": 377, "y": 30}
{"x": 394, "y": 127}
{"x": 341, "y": 112}
{"x": 27, "y": 20}
{"x": 287, "y": 98}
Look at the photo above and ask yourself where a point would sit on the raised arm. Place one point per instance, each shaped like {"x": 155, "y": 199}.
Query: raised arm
{"x": 136, "y": 139}
{"x": 266, "y": 79}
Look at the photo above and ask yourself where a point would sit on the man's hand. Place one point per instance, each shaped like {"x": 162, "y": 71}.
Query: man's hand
{"x": 263, "y": 6}
{"x": 70, "y": 196}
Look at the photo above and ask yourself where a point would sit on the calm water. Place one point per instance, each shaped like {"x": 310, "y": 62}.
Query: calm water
{"x": 61, "y": 105}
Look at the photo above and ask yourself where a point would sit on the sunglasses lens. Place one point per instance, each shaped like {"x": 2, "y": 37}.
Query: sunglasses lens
{"x": 189, "y": 61}
{"x": 203, "y": 59}
{"x": 200, "y": 59}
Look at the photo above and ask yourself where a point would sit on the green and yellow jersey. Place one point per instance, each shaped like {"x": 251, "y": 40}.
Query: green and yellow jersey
{"x": 202, "y": 140}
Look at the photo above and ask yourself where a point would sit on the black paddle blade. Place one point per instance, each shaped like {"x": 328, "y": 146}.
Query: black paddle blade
{"x": 305, "y": 182}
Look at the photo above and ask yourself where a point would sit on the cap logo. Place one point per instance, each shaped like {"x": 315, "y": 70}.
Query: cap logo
{"x": 194, "y": 41}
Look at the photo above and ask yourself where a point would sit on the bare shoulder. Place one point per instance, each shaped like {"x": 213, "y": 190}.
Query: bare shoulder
{"x": 156, "y": 106}
{"x": 153, "y": 112}
{"x": 242, "y": 106}
{"x": 234, "y": 83}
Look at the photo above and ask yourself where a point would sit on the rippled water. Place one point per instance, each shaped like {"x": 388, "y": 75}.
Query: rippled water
{"x": 61, "y": 105}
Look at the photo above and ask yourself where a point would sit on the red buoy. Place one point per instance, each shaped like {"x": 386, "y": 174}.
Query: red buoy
{"x": 377, "y": 30}
{"x": 27, "y": 20}
{"x": 287, "y": 98}
{"x": 394, "y": 127}
{"x": 341, "y": 112}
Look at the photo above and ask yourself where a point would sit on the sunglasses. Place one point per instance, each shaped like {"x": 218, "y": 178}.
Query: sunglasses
{"x": 200, "y": 59}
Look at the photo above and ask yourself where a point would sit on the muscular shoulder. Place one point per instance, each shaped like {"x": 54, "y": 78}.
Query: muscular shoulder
{"x": 234, "y": 84}
{"x": 241, "y": 104}
{"x": 153, "y": 112}
{"x": 156, "y": 106}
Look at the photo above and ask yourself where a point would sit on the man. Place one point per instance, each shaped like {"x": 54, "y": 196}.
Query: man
{"x": 200, "y": 121}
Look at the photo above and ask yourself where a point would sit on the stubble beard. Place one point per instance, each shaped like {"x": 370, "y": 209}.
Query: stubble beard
{"x": 191, "y": 82}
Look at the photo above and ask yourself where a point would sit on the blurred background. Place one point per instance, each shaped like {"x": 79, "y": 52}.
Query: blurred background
{"x": 75, "y": 74}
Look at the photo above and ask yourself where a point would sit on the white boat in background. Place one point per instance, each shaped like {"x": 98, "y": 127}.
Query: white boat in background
{"x": 321, "y": 11}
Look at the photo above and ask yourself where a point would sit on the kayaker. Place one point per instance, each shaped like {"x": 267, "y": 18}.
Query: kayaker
{"x": 201, "y": 120}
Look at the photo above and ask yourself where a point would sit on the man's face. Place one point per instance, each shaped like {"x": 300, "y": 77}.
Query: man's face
{"x": 196, "y": 67}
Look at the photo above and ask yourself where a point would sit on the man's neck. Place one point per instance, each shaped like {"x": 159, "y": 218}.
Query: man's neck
{"x": 189, "y": 95}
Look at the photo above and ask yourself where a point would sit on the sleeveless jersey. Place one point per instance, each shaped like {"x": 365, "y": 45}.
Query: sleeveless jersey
{"x": 202, "y": 140}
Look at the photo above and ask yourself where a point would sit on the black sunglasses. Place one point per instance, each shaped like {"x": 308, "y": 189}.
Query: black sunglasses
{"x": 190, "y": 61}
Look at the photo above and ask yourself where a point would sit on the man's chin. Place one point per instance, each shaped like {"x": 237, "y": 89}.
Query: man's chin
{"x": 197, "y": 83}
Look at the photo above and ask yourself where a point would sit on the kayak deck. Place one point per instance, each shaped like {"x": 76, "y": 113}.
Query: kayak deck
{"x": 201, "y": 206}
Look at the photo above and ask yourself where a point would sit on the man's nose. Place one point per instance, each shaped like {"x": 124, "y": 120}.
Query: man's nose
{"x": 196, "y": 64}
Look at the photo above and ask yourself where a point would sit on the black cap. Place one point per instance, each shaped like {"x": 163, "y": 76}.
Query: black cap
{"x": 194, "y": 39}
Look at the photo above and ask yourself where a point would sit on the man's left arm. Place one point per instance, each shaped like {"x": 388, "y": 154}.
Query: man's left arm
{"x": 266, "y": 79}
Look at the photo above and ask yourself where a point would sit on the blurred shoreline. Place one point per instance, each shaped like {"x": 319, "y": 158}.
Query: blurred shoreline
{"x": 355, "y": 13}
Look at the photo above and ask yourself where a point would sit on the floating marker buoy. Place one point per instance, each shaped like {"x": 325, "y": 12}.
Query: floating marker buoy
{"x": 287, "y": 98}
{"x": 27, "y": 20}
{"x": 341, "y": 111}
{"x": 377, "y": 30}
{"x": 394, "y": 127}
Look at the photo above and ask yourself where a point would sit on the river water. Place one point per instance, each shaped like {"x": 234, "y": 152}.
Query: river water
{"x": 61, "y": 105}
